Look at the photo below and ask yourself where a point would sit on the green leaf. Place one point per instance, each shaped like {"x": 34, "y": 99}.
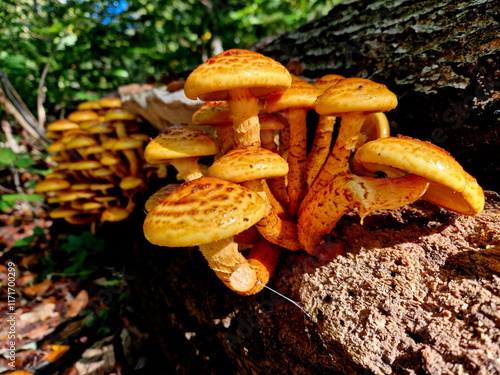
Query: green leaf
{"x": 38, "y": 231}
{"x": 24, "y": 162}
{"x": 120, "y": 73}
{"x": 7, "y": 156}
{"x": 25, "y": 241}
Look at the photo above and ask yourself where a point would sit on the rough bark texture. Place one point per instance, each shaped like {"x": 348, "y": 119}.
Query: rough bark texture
{"x": 417, "y": 290}
{"x": 442, "y": 59}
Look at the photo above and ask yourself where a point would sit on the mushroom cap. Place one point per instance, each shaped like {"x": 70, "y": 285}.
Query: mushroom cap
{"x": 159, "y": 195}
{"x": 85, "y": 115}
{"x": 81, "y": 165}
{"x": 80, "y": 185}
{"x": 80, "y": 140}
{"x": 110, "y": 102}
{"x": 91, "y": 150}
{"x": 108, "y": 158}
{"x": 248, "y": 163}
{"x": 412, "y": 156}
{"x": 216, "y": 112}
{"x": 355, "y": 95}
{"x": 63, "y": 211}
{"x": 121, "y": 144}
{"x": 327, "y": 80}
{"x": 56, "y": 146}
{"x": 114, "y": 214}
{"x": 299, "y": 95}
{"x": 51, "y": 184}
{"x": 179, "y": 141}
{"x": 202, "y": 211}
{"x": 61, "y": 125}
{"x": 236, "y": 69}
{"x": 101, "y": 185}
{"x": 88, "y": 105}
{"x": 100, "y": 128}
{"x": 130, "y": 182}
{"x": 119, "y": 114}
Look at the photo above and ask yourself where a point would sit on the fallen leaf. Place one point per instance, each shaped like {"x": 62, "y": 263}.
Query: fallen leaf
{"x": 78, "y": 304}
{"x": 38, "y": 314}
{"x": 38, "y": 289}
{"x": 98, "y": 359}
{"x": 57, "y": 352}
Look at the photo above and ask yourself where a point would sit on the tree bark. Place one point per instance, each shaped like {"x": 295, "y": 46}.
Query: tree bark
{"x": 369, "y": 310}
{"x": 442, "y": 59}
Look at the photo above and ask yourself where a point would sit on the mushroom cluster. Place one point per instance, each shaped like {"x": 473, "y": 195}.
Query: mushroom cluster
{"x": 264, "y": 190}
{"x": 99, "y": 155}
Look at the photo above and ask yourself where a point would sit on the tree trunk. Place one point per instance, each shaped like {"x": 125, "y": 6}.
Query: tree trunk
{"x": 442, "y": 59}
{"x": 415, "y": 289}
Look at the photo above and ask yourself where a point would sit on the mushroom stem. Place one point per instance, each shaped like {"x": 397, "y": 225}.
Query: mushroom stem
{"x": 345, "y": 192}
{"x": 297, "y": 176}
{"x": 188, "y": 168}
{"x": 225, "y": 134}
{"x": 245, "y": 115}
{"x": 132, "y": 161}
{"x": 263, "y": 259}
{"x": 337, "y": 162}
{"x": 320, "y": 148}
{"x": 278, "y": 231}
{"x": 229, "y": 265}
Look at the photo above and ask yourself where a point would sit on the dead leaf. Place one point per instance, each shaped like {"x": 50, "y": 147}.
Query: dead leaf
{"x": 38, "y": 289}
{"x": 78, "y": 304}
{"x": 57, "y": 352}
{"x": 98, "y": 359}
{"x": 38, "y": 314}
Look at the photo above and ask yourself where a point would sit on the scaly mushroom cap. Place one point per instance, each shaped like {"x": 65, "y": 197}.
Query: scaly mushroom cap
{"x": 51, "y": 184}
{"x": 248, "y": 163}
{"x": 80, "y": 116}
{"x": 355, "y": 95}
{"x": 203, "y": 211}
{"x": 299, "y": 95}
{"x": 159, "y": 196}
{"x": 61, "y": 125}
{"x": 211, "y": 113}
{"x": 240, "y": 69}
{"x": 179, "y": 141}
{"x": 451, "y": 187}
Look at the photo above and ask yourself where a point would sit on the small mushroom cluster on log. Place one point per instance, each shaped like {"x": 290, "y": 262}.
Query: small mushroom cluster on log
{"x": 99, "y": 154}
{"x": 264, "y": 191}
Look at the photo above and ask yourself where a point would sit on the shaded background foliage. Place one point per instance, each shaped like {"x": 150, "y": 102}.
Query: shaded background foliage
{"x": 78, "y": 50}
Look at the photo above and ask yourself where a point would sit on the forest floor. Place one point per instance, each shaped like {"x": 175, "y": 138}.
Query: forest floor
{"x": 65, "y": 305}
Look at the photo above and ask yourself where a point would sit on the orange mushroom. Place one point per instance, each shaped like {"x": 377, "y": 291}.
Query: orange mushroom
{"x": 208, "y": 212}
{"x": 240, "y": 77}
